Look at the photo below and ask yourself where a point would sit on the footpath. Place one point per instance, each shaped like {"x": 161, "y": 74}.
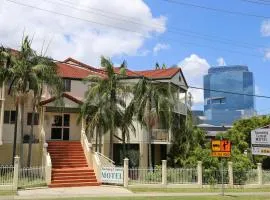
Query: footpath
{"x": 102, "y": 191}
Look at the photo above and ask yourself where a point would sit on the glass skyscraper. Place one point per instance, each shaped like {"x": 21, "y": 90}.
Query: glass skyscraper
{"x": 221, "y": 108}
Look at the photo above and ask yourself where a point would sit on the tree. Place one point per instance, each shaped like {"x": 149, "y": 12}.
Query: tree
{"x": 125, "y": 124}
{"x": 164, "y": 66}
{"x": 43, "y": 73}
{"x": 186, "y": 139}
{"x": 111, "y": 91}
{"x": 157, "y": 65}
{"x": 96, "y": 113}
{"x": 154, "y": 103}
{"x": 6, "y": 63}
{"x": 29, "y": 73}
{"x": 240, "y": 136}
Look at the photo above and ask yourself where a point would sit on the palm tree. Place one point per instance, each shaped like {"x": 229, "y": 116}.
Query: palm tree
{"x": 31, "y": 72}
{"x": 43, "y": 74}
{"x": 110, "y": 92}
{"x": 6, "y": 63}
{"x": 154, "y": 103}
{"x": 95, "y": 113}
{"x": 125, "y": 124}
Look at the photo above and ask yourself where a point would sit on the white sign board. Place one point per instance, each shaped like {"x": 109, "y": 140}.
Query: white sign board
{"x": 260, "y": 141}
{"x": 112, "y": 175}
{"x": 260, "y": 137}
{"x": 261, "y": 151}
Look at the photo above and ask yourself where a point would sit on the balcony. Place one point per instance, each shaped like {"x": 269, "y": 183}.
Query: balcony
{"x": 180, "y": 108}
{"x": 160, "y": 136}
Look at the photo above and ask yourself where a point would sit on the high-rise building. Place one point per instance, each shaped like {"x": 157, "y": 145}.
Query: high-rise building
{"x": 223, "y": 108}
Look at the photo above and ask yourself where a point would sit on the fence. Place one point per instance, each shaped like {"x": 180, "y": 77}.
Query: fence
{"x": 31, "y": 177}
{"x": 214, "y": 177}
{"x": 13, "y": 177}
{"x": 181, "y": 176}
{"x": 144, "y": 176}
{"x": 6, "y": 175}
{"x": 266, "y": 176}
{"x": 196, "y": 177}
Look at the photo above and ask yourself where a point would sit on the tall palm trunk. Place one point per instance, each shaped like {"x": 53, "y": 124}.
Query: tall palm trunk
{"x": 124, "y": 144}
{"x": 100, "y": 140}
{"x": 150, "y": 134}
{"x": 113, "y": 103}
{"x": 22, "y": 129}
{"x": 31, "y": 137}
{"x": 97, "y": 130}
{"x": 15, "y": 134}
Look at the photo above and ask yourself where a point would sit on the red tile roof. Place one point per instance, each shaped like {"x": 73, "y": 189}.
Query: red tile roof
{"x": 77, "y": 72}
{"x": 159, "y": 73}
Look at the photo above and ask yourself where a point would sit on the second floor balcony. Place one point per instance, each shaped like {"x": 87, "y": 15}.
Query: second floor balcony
{"x": 180, "y": 108}
{"x": 160, "y": 136}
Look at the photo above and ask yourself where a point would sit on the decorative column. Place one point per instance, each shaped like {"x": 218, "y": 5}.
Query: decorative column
{"x": 230, "y": 172}
{"x": 259, "y": 171}
{"x": 126, "y": 172}
{"x": 16, "y": 172}
{"x": 164, "y": 172}
{"x": 199, "y": 173}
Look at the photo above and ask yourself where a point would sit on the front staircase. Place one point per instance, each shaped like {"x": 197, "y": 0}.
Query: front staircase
{"x": 69, "y": 166}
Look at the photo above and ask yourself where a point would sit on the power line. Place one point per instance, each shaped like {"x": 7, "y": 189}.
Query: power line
{"x": 124, "y": 29}
{"x": 257, "y": 2}
{"x": 217, "y": 9}
{"x": 174, "y": 30}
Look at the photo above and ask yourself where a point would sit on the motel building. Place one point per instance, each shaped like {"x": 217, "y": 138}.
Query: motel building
{"x": 58, "y": 132}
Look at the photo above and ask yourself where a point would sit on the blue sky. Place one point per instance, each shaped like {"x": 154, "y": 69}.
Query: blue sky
{"x": 242, "y": 29}
{"x": 76, "y": 31}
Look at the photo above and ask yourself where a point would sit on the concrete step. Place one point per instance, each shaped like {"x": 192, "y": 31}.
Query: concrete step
{"x": 73, "y": 180}
{"x": 74, "y": 184}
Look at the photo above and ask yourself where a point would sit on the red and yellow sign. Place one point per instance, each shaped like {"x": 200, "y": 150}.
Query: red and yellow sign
{"x": 221, "y": 148}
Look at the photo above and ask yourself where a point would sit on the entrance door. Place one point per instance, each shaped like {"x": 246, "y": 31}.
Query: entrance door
{"x": 60, "y": 127}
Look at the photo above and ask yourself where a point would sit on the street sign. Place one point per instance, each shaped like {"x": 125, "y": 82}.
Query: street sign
{"x": 260, "y": 141}
{"x": 221, "y": 148}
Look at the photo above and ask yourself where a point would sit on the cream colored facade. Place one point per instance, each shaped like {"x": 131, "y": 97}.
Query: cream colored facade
{"x": 71, "y": 108}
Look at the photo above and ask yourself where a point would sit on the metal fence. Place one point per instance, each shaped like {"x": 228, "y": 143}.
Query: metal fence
{"x": 243, "y": 177}
{"x": 213, "y": 177}
{"x": 6, "y": 175}
{"x": 266, "y": 176}
{"x": 181, "y": 176}
{"x": 31, "y": 177}
{"x": 144, "y": 176}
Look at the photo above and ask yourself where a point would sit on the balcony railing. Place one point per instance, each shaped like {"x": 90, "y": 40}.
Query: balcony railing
{"x": 160, "y": 135}
{"x": 180, "y": 108}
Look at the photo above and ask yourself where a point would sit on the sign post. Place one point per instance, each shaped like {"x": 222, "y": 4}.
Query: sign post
{"x": 221, "y": 148}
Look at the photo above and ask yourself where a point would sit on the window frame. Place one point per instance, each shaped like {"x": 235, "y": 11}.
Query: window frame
{"x": 8, "y": 115}
{"x": 67, "y": 85}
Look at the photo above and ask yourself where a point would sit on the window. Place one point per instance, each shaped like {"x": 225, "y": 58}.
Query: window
{"x": 67, "y": 85}
{"x": 218, "y": 101}
{"x": 29, "y": 118}
{"x": 9, "y": 117}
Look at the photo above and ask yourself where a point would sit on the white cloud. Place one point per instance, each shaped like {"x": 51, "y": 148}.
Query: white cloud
{"x": 194, "y": 68}
{"x": 265, "y": 28}
{"x": 77, "y": 38}
{"x": 160, "y": 46}
{"x": 267, "y": 54}
{"x": 221, "y": 61}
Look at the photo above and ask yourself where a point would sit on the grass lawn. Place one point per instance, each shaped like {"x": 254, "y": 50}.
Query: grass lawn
{"x": 176, "y": 198}
{"x": 7, "y": 193}
{"x": 195, "y": 190}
